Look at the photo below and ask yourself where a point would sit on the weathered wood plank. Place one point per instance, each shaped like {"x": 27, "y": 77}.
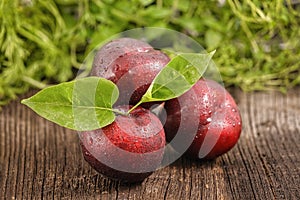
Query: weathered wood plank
{"x": 39, "y": 160}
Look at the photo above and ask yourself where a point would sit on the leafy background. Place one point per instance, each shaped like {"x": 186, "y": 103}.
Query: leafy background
{"x": 44, "y": 41}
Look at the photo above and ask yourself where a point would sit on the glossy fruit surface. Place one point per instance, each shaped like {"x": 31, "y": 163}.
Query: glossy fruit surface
{"x": 206, "y": 119}
{"x": 114, "y": 49}
{"x": 129, "y": 149}
{"x": 132, "y": 68}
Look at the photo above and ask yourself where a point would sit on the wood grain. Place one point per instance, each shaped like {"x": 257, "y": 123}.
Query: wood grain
{"x": 39, "y": 160}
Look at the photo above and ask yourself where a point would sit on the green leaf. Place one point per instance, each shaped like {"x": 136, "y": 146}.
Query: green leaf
{"x": 178, "y": 76}
{"x": 83, "y": 104}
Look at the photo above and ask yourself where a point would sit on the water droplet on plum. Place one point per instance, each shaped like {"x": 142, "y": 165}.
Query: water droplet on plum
{"x": 142, "y": 50}
{"x": 91, "y": 141}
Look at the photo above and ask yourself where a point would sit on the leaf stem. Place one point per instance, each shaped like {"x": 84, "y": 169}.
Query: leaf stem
{"x": 136, "y": 105}
{"x": 120, "y": 112}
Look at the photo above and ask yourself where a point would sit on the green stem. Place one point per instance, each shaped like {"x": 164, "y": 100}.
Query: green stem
{"x": 136, "y": 105}
{"x": 119, "y": 112}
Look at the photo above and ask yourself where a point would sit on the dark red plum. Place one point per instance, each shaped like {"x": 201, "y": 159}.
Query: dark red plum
{"x": 133, "y": 74}
{"x": 132, "y": 68}
{"x": 206, "y": 117}
{"x": 113, "y": 50}
{"x": 129, "y": 149}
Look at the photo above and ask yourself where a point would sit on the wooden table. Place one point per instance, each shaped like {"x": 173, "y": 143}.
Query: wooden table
{"x": 40, "y": 160}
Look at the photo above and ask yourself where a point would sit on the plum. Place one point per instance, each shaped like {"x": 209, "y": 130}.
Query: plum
{"x": 206, "y": 119}
{"x": 114, "y": 49}
{"x": 133, "y": 74}
{"x": 131, "y": 68}
{"x": 129, "y": 149}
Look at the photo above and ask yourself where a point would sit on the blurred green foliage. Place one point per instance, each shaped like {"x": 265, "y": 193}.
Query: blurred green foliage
{"x": 44, "y": 41}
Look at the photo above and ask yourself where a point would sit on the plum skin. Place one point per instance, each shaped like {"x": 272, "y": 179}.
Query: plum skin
{"x": 114, "y": 49}
{"x": 132, "y": 68}
{"x": 208, "y": 116}
{"x": 134, "y": 143}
